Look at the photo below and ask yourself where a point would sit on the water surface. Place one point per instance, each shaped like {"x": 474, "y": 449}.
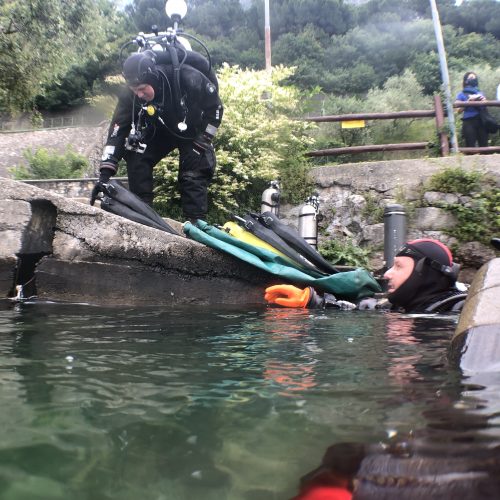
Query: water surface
{"x": 193, "y": 402}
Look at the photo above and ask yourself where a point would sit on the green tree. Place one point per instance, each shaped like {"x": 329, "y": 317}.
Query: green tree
{"x": 297, "y": 48}
{"x": 40, "y": 40}
{"x": 290, "y": 16}
{"x": 478, "y": 16}
{"x": 146, "y": 13}
{"x": 216, "y": 19}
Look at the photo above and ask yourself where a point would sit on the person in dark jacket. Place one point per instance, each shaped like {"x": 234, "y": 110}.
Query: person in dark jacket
{"x": 474, "y": 132}
{"x": 422, "y": 279}
{"x": 166, "y": 107}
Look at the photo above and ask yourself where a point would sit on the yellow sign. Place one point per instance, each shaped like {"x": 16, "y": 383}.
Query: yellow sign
{"x": 353, "y": 124}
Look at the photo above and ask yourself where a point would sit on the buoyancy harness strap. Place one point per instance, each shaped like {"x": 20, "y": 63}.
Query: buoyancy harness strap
{"x": 179, "y": 104}
{"x": 451, "y": 303}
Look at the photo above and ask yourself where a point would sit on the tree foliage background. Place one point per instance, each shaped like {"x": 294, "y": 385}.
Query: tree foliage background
{"x": 54, "y": 54}
{"x": 347, "y": 56}
{"x": 46, "y": 42}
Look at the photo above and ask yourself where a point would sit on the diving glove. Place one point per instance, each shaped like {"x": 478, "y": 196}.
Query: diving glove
{"x": 290, "y": 296}
{"x": 99, "y": 187}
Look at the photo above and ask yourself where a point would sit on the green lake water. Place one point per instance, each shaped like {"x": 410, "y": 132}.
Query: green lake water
{"x": 203, "y": 403}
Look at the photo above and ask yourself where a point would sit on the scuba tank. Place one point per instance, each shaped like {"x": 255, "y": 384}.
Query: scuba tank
{"x": 271, "y": 199}
{"x": 308, "y": 220}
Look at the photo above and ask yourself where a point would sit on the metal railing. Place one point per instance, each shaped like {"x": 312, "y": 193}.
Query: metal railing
{"x": 50, "y": 122}
{"x": 438, "y": 113}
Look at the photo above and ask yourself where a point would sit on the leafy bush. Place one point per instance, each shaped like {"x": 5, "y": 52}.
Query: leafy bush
{"x": 455, "y": 180}
{"x": 44, "y": 164}
{"x": 344, "y": 252}
{"x": 480, "y": 220}
{"x": 259, "y": 140}
{"x": 477, "y": 219}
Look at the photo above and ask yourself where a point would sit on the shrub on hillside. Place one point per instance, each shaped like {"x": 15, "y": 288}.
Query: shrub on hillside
{"x": 399, "y": 93}
{"x": 45, "y": 164}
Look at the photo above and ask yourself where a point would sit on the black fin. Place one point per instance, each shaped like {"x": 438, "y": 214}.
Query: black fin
{"x": 265, "y": 234}
{"x": 121, "y": 201}
{"x": 293, "y": 238}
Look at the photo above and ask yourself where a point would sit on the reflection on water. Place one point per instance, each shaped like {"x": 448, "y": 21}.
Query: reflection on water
{"x": 200, "y": 403}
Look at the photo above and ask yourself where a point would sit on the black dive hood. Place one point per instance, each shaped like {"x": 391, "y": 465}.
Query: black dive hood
{"x": 434, "y": 272}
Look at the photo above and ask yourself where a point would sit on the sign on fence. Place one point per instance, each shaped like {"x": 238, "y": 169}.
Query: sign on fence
{"x": 352, "y": 124}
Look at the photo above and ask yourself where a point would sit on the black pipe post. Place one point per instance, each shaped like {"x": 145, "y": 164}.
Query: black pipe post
{"x": 394, "y": 232}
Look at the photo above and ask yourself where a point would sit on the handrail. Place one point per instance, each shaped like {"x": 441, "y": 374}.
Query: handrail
{"x": 392, "y": 115}
{"x": 475, "y": 104}
{"x": 374, "y": 116}
{"x": 374, "y": 148}
{"x": 438, "y": 113}
{"x": 478, "y": 150}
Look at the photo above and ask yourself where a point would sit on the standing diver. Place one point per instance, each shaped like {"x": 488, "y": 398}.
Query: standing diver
{"x": 169, "y": 104}
{"x": 423, "y": 279}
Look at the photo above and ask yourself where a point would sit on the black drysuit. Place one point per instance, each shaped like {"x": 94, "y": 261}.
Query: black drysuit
{"x": 201, "y": 110}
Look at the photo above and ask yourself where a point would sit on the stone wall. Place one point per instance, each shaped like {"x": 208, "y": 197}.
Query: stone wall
{"x": 353, "y": 197}
{"x": 76, "y": 189}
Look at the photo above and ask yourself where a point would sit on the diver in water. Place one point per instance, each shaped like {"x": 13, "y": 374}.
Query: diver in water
{"x": 423, "y": 279}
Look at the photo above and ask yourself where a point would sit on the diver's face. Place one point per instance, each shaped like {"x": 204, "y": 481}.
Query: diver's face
{"x": 144, "y": 92}
{"x": 399, "y": 272}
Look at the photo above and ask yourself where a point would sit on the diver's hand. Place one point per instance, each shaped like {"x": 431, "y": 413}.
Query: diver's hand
{"x": 98, "y": 188}
{"x": 288, "y": 295}
{"x": 100, "y": 185}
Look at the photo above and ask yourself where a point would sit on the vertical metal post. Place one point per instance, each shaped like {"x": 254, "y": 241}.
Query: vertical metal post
{"x": 444, "y": 75}
{"x": 267, "y": 35}
{"x": 443, "y": 138}
{"x": 394, "y": 232}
